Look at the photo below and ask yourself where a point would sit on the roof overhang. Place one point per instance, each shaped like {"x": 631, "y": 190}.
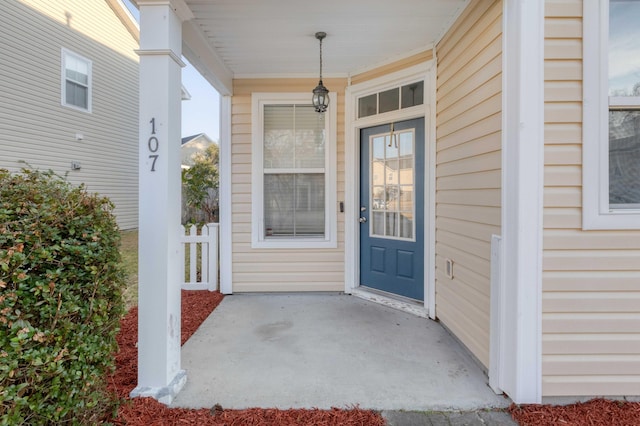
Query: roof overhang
{"x": 226, "y": 40}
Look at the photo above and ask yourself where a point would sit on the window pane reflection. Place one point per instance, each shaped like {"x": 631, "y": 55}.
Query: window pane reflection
{"x": 624, "y": 159}
{"x": 624, "y": 48}
{"x": 368, "y": 105}
{"x": 389, "y": 100}
{"x": 412, "y": 94}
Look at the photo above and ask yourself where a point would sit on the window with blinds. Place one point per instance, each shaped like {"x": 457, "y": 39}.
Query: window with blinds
{"x": 294, "y": 161}
{"x": 76, "y": 81}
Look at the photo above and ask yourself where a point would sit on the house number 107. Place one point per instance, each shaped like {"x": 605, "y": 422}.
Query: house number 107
{"x": 153, "y": 145}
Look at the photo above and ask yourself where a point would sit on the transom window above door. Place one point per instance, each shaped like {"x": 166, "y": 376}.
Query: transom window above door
{"x": 401, "y": 97}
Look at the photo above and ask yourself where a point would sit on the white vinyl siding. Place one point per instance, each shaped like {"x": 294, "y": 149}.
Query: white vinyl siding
{"x": 591, "y": 279}
{"x": 282, "y": 269}
{"x": 38, "y": 129}
{"x": 468, "y": 170}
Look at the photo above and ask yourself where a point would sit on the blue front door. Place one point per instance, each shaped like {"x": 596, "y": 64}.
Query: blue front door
{"x": 392, "y": 208}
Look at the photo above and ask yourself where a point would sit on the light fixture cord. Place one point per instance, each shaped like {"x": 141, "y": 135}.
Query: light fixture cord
{"x": 321, "y": 59}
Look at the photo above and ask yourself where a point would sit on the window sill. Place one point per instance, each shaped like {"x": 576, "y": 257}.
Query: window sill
{"x": 76, "y": 108}
{"x": 300, "y": 243}
{"x": 615, "y": 220}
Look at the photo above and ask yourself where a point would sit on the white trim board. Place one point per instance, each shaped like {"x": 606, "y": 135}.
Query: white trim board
{"x": 519, "y": 342}
{"x": 353, "y": 126}
{"x": 226, "y": 219}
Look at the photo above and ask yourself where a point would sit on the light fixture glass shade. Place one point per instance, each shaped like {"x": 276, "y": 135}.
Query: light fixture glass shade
{"x": 320, "y": 97}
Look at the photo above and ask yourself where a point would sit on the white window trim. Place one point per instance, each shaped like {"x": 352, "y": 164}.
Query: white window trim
{"x": 596, "y": 213}
{"x": 330, "y": 240}
{"x": 63, "y": 84}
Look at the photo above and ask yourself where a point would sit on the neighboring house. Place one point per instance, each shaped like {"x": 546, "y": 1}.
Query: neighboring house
{"x": 192, "y": 145}
{"x": 518, "y": 225}
{"x": 69, "y": 90}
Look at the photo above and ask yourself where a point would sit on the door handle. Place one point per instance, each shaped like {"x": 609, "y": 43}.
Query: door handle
{"x": 362, "y": 219}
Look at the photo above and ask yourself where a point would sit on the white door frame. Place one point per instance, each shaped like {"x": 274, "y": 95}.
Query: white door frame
{"x": 426, "y": 72}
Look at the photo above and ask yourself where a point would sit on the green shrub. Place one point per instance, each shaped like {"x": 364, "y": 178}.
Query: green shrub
{"x": 61, "y": 289}
{"x": 200, "y": 187}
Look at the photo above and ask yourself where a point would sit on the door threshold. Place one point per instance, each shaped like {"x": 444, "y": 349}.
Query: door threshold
{"x": 411, "y": 306}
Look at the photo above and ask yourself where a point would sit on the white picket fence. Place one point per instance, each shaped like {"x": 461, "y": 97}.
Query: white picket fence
{"x": 207, "y": 262}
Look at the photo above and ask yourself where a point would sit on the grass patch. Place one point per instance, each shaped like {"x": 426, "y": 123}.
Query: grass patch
{"x": 129, "y": 252}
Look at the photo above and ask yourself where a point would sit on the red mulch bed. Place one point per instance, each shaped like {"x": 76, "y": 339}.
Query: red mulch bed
{"x": 196, "y": 307}
{"x": 597, "y": 412}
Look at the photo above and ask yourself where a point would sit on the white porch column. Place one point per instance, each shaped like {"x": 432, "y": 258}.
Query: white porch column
{"x": 159, "y": 372}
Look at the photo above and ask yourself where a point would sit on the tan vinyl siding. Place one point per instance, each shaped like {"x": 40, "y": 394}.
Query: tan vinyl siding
{"x": 468, "y": 164}
{"x": 256, "y": 270}
{"x": 398, "y": 65}
{"x": 36, "y": 128}
{"x": 591, "y": 279}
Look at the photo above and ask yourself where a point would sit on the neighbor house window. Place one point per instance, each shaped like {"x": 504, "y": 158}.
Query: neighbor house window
{"x": 611, "y": 125}
{"x": 76, "y": 81}
{"x": 294, "y": 188}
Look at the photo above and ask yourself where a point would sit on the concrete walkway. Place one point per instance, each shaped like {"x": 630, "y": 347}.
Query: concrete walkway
{"x": 455, "y": 418}
{"x": 304, "y": 351}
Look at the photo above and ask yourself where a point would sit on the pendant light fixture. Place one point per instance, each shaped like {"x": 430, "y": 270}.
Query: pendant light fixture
{"x": 320, "y": 93}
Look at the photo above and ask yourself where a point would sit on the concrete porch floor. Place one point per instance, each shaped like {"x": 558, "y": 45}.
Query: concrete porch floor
{"x": 304, "y": 351}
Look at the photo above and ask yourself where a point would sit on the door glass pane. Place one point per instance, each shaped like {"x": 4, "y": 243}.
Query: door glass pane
{"x": 389, "y": 100}
{"x": 624, "y": 159}
{"x": 406, "y": 198}
{"x": 392, "y": 167}
{"x": 406, "y": 225}
{"x": 392, "y": 146}
{"x": 406, "y": 144}
{"x": 392, "y": 225}
{"x": 379, "y": 201}
{"x": 377, "y": 223}
{"x": 378, "y": 148}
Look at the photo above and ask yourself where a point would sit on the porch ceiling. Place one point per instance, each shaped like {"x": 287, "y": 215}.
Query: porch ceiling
{"x": 249, "y": 38}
